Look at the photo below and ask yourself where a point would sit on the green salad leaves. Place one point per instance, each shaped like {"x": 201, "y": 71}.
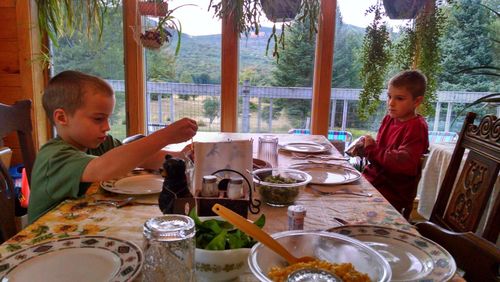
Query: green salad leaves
{"x": 214, "y": 234}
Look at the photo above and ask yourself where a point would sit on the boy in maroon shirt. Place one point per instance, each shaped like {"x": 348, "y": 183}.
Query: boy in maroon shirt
{"x": 402, "y": 139}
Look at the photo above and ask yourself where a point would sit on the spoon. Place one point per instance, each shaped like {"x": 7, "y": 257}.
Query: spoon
{"x": 256, "y": 233}
{"x": 255, "y": 175}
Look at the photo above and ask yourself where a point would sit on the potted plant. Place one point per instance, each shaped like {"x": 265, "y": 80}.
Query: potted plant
{"x": 403, "y": 9}
{"x": 280, "y": 10}
{"x": 247, "y": 17}
{"x": 64, "y": 17}
{"x": 376, "y": 58}
{"x": 156, "y": 8}
{"x": 153, "y": 37}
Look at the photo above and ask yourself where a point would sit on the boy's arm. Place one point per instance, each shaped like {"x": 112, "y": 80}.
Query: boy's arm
{"x": 404, "y": 159}
{"x": 119, "y": 161}
{"x": 156, "y": 161}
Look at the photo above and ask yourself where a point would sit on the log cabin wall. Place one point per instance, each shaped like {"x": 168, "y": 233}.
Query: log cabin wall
{"x": 21, "y": 72}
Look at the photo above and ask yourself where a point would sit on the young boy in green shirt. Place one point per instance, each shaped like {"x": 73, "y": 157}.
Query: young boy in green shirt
{"x": 79, "y": 106}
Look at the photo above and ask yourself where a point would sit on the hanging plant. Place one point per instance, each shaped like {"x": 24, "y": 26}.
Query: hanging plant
{"x": 279, "y": 10}
{"x": 153, "y": 37}
{"x": 58, "y": 18}
{"x": 376, "y": 58}
{"x": 156, "y": 8}
{"x": 419, "y": 49}
{"x": 247, "y": 15}
{"x": 403, "y": 9}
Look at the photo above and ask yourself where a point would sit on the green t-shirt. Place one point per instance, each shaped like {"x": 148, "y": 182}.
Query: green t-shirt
{"x": 57, "y": 172}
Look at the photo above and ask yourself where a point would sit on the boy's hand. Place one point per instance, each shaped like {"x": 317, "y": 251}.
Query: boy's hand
{"x": 182, "y": 130}
{"x": 369, "y": 141}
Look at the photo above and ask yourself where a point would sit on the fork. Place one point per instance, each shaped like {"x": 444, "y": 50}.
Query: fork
{"x": 342, "y": 192}
{"x": 120, "y": 203}
{"x": 325, "y": 158}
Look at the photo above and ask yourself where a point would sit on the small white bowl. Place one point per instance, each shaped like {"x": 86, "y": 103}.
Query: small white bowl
{"x": 221, "y": 265}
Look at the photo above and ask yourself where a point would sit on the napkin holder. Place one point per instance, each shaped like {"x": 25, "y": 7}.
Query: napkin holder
{"x": 204, "y": 204}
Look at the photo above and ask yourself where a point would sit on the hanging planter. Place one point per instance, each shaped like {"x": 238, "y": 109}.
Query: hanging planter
{"x": 280, "y": 10}
{"x": 403, "y": 9}
{"x": 154, "y": 38}
{"x": 153, "y": 8}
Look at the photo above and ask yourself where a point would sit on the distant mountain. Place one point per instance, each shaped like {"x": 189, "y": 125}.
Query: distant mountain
{"x": 201, "y": 54}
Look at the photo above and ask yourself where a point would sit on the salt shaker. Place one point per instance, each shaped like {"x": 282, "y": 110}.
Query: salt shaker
{"x": 296, "y": 215}
{"x": 209, "y": 186}
{"x": 169, "y": 246}
{"x": 235, "y": 188}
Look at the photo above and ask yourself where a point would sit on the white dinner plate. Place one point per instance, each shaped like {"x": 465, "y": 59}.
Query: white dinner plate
{"x": 83, "y": 258}
{"x": 142, "y": 184}
{"x": 305, "y": 147}
{"x": 411, "y": 257}
{"x": 329, "y": 174}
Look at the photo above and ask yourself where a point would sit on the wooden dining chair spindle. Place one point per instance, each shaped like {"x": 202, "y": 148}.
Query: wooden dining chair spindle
{"x": 17, "y": 118}
{"x": 7, "y": 203}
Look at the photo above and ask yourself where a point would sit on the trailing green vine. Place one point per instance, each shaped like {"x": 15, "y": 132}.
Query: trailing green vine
{"x": 418, "y": 48}
{"x": 376, "y": 58}
{"x": 247, "y": 19}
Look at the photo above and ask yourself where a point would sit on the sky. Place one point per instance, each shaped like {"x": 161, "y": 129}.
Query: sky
{"x": 197, "y": 20}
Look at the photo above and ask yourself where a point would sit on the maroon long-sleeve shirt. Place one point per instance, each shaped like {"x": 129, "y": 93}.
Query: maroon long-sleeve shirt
{"x": 395, "y": 167}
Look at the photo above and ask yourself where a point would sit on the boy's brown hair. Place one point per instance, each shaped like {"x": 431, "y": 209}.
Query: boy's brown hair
{"x": 413, "y": 81}
{"x": 67, "y": 90}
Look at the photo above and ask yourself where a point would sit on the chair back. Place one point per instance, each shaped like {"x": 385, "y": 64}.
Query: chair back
{"x": 478, "y": 258}
{"x": 7, "y": 205}
{"x": 460, "y": 207}
{"x": 442, "y": 136}
{"x": 17, "y": 118}
{"x": 341, "y": 135}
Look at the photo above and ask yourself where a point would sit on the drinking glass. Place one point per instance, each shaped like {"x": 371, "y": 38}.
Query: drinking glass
{"x": 169, "y": 249}
{"x": 268, "y": 149}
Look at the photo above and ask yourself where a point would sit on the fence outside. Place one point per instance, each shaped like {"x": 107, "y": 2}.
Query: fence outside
{"x": 167, "y": 90}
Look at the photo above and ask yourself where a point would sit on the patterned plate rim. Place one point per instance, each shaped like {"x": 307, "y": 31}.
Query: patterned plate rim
{"x": 324, "y": 148}
{"x": 110, "y": 184}
{"x": 129, "y": 268}
{"x": 305, "y": 166}
{"x": 434, "y": 275}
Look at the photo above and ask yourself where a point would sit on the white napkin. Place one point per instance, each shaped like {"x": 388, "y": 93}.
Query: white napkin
{"x": 212, "y": 156}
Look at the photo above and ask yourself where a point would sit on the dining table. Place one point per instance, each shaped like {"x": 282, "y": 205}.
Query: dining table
{"x": 76, "y": 217}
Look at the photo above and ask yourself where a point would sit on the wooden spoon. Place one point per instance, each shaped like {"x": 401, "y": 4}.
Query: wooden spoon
{"x": 255, "y": 232}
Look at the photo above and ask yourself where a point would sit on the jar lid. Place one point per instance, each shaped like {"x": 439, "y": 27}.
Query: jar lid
{"x": 236, "y": 180}
{"x": 173, "y": 227}
{"x": 209, "y": 178}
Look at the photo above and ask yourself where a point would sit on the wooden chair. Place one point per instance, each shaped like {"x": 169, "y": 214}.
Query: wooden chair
{"x": 477, "y": 257}
{"x": 7, "y": 204}
{"x": 460, "y": 207}
{"x": 17, "y": 118}
{"x": 341, "y": 135}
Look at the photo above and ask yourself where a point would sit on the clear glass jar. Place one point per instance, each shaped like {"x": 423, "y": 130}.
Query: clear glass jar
{"x": 169, "y": 246}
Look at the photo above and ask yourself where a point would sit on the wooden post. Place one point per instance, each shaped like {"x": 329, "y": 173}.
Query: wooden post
{"x": 323, "y": 66}
{"x": 134, "y": 71}
{"x": 229, "y": 73}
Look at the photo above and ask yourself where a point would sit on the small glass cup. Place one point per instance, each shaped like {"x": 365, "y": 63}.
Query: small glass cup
{"x": 268, "y": 149}
{"x": 169, "y": 246}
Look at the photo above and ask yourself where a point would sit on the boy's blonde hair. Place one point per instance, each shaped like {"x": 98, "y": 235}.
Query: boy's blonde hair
{"x": 67, "y": 90}
{"x": 413, "y": 81}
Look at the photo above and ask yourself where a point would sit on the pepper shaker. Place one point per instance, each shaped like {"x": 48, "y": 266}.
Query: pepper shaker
{"x": 209, "y": 186}
{"x": 235, "y": 188}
